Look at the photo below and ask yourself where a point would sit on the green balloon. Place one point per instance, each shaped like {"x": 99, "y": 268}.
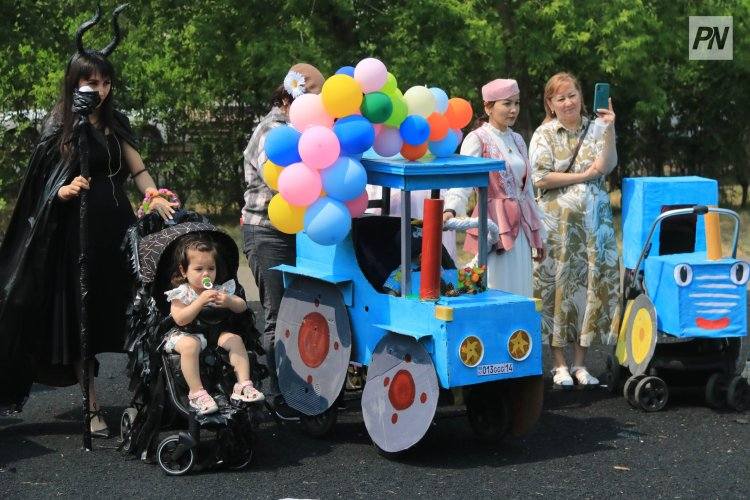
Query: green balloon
{"x": 376, "y": 107}
{"x": 400, "y": 110}
{"x": 390, "y": 83}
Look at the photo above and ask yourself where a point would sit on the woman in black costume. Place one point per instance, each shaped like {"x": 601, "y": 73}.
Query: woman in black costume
{"x": 39, "y": 266}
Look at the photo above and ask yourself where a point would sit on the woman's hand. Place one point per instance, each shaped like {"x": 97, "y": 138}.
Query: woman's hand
{"x": 163, "y": 207}
{"x": 607, "y": 115}
{"x": 447, "y": 215}
{"x": 72, "y": 190}
{"x": 592, "y": 173}
{"x": 539, "y": 254}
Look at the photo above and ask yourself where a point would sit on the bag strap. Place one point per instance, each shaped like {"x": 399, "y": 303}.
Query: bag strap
{"x": 541, "y": 192}
{"x": 578, "y": 147}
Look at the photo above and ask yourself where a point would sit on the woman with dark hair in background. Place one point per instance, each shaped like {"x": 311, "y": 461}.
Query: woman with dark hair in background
{"x": 40, "y": 306}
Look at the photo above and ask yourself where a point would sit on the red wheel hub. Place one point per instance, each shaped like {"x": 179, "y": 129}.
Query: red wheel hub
{"x": 313, "y": 340}
{"x": 402, "y": 390}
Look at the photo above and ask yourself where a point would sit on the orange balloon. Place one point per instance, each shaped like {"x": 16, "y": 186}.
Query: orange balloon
{"x": 438, "y": 126}
{"x": 413, "y": 153}
{"x": 459, "y": 112}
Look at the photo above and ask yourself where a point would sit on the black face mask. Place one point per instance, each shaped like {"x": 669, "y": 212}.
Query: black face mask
{"x": 84, "y": 103}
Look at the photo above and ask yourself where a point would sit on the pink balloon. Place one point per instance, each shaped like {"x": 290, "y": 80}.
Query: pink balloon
{"x": 358, "y": 205}
{"x": 299, "y": 184}
{"x": 319, "y": 147}
{"x": 378, "y": 127}
{"x": 371, "y": 74}
{"x": 307, "y": 110}
{"x": 388, "y": 142}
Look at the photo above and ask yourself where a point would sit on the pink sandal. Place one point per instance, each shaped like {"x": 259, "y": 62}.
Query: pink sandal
{"x": 247, "y": 393}
{"x": 202, "y": 402}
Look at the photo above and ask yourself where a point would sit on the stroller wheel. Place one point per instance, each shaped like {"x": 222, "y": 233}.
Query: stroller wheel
{"x": 320, "y": 425}
{"x": 715, "y": 389}
{"x": 174, "y": 459}
{"x": 241, "y": 462}
{"x": 738, "y": 394}
{"x": 652, "y": 394}
{"x": 628, "y": 390}
{"x": 126, "y": 424}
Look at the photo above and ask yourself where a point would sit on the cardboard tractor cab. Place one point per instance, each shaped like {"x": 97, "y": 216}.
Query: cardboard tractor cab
{"x": 336, "y": 321}
{"x": 685, "y": 304}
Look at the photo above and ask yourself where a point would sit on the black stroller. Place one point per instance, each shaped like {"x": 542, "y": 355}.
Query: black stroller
{"x": 160, "y": 391}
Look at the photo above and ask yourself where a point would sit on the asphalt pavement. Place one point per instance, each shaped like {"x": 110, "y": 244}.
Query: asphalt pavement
{"x": 587, "y": 444}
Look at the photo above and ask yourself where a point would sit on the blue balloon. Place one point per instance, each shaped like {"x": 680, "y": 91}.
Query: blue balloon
{"x": 414, "y": 130}
{"x": 327, "y": 221}
{"x": 281, "y": 145}
{"x": 356, "y": 134}
{"x": 445, "y": 146}
{"x": 346, "y": 70}
{"x": 441, "y": 99}
{"x": 345, "y": 179}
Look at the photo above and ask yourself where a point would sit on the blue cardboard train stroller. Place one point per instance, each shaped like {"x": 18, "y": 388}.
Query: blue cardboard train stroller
{"x": 159, "y": 400}
{"x": 336, "y": 317}
{"x": 685, "y": 304}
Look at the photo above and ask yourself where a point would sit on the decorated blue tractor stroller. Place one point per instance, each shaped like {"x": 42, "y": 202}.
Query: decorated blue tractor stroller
{"x": 160, "y": 391}
{"x": 336, "y": 318}
{"x": 685, "y": 304}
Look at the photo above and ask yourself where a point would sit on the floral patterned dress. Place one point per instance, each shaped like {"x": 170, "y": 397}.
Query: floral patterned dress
{"x": 579, "y": 279}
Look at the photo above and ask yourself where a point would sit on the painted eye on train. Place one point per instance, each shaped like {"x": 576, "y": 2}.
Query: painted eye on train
{"x": 739, "y": 273}
{"x": 683, "y": 274}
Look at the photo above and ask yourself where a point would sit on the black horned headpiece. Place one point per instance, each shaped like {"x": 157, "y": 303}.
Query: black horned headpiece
{"x": 83, "y": 28}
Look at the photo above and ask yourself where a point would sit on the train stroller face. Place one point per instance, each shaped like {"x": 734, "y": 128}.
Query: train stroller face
{"x": 713, "y": 295}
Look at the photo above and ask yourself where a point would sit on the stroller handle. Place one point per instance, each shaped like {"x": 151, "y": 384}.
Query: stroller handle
{"x": 697, "y": 210}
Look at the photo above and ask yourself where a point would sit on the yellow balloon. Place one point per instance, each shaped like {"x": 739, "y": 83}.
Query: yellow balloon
{"x": 286, "y": 218}
{"x": 342, "y": 96}
{"x": 271, "y": 173}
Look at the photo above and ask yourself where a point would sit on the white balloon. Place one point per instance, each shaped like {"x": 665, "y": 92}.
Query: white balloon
{"x": 420, "y": 101}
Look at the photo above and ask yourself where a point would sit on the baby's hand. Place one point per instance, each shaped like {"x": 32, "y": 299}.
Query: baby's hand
{"x": 221, "y": 299}
{"x": 207, "y": 296}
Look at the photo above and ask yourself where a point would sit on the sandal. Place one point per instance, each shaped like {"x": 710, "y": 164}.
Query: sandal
{"x": 247, "y": 393}
{"x": 561, "y": 378}
{"x": 98, "y": 432}
{"x": 583, "y": 377}
{"x": 202, "y": 402}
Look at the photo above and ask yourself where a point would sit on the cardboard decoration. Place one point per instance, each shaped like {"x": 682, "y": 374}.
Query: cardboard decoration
{"x": 313, "y": 345}
{"x": 640, "y": 334}
{"x": 401, "y": 394}
{"x": 644, "y": 198}
{"x": 697, "y": 297}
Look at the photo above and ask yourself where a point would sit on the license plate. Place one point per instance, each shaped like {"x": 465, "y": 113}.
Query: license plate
{"x": 494, "y": 369}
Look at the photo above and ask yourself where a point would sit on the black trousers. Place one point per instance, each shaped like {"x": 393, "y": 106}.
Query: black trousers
{"x": 265, "y": 248}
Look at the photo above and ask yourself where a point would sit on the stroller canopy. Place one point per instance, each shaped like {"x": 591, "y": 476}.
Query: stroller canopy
{"x": 154, "y": 246}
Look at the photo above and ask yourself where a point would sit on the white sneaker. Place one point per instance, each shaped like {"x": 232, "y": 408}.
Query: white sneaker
{"x": 561, "y": 377}
{"x": 583, "y": 377}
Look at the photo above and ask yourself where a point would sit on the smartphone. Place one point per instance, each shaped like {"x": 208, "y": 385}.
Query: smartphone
{"x": 601, "y": 96}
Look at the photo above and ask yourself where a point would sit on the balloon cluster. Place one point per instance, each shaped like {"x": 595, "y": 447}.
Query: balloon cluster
{"x": 314, "y": 162}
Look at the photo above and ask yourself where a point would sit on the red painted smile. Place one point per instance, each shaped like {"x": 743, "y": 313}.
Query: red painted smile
{"x": 712, "y": 324}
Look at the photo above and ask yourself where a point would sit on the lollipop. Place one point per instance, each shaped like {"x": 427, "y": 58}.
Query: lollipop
{"x": 207, "y": 283}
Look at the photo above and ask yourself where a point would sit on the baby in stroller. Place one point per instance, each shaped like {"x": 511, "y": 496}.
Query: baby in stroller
{"x": 186, "y": 345}
{"x": 194, "y": 275}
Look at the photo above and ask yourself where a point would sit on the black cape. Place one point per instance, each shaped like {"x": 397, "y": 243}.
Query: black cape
{"x": 27, "y": 267}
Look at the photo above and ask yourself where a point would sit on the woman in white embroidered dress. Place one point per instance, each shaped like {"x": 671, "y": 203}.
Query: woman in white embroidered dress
{"x": 511, "y": 202}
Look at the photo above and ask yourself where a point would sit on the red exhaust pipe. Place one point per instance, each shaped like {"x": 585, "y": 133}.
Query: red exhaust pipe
{"x": 432, "y": 249}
